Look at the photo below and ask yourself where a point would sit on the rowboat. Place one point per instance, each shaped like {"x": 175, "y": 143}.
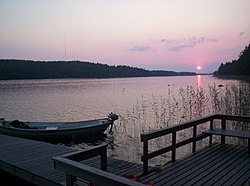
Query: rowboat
{"x": 59, "y": 132}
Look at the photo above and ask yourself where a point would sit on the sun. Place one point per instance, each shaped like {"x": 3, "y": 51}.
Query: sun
{"x": 198, "y": 68}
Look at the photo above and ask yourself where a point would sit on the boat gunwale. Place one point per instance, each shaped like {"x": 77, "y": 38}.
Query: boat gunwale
{"x": 83, "y": 126}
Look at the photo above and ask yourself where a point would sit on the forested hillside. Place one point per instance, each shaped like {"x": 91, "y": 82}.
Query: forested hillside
{"x": 26, "y": 69}
{"x": 239, "y": 67}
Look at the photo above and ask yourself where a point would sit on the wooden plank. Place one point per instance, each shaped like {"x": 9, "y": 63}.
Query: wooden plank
{"x": 127, "y": 169}
{"x": 189, "y": 172}
{"x": 229, "y": 173}
{"x": 168, "y": 130}
{"x": 244, "y": 179}
{"x": 247, "y": 183}
{"x": 46, "y": 156}
{"x": 219, "y": 161}
{"x": 120, "y": 165}
{"x": 175, "y": 128}
{"x": 86, "y": 154}
{"x": 37, "y": 168}
{"x": 241, "y": 173}
{"x": 23, "y": 174}
{"x": 112, "y": 162}
{"x": 174, "y": 168}
{"x": 182, "y": 163}
{"x": 96, "y": 176}
{"x": 224, "y": 171}
{"x": 232, "y": 133}
{"x": 91, "y": 160}
{"x": 34, "y": 163}
{"x": 55, "y": 176}
{"x": 234, "y": 157}
{"x": 38, "y": 162}
{"x": 31, "y": 151}
{"x": 171, "y": 148}
{"x": 233, "y": 117}
{"x": 213, "y": 169}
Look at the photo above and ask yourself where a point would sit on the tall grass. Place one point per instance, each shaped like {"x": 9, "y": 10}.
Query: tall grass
{"x": 175, "y": 107}
{"x": 231, "y": 99}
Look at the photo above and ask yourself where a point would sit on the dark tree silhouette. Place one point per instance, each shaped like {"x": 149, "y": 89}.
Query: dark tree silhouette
{"x": 26, "y": 69}
{"x": 239, "y": 67}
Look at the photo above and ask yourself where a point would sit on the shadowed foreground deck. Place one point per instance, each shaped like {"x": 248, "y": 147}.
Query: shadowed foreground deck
{"x": 32, "y": 161}
{"x": 217, "y": 164}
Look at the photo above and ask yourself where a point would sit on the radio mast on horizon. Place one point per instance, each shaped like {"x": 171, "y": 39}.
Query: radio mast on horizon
{"x": 65, "y": 54}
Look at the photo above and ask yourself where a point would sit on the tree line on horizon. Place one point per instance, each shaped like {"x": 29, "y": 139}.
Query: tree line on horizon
{"x": 28, "y": 69}
{"x": 239, "y": 67}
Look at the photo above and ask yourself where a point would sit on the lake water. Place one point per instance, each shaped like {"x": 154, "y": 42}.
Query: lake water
{"x": 136, "y": 100}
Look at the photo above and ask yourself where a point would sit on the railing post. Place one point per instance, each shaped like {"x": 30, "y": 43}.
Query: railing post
{"x": 174, "y": 146}
{"x": 248, "y": 141}
{"x": 194, "y": 137}
{"x": 104, "y": 158}
{"x": 223, "y": 126}
{"x": 211, "y": 128}
{"x": 70, "y": 179}
{"x": 145, "y": 156}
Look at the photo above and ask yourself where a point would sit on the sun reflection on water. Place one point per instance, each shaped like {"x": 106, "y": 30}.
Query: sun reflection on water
{"x": 199, "y": 82}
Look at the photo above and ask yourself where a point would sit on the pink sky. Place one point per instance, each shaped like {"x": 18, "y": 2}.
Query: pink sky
{"x": 162, "y": 35}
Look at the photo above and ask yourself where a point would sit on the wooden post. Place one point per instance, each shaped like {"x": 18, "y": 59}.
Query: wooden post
{"x": 104, "y": 158}
{"x": 70, "y": 179}
{"x": 174, "y": 146}
{"x": 211, "y": 128}
{"x": 223, "y": 126}
{"x": 194, "y": 137}
{"x": 248, "y": 141}
{"x": 145, "y": 156}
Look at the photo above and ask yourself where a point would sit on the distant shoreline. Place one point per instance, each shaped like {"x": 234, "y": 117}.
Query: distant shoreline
{"x": 243, "y": 78}
{"x": 13, "y": 69}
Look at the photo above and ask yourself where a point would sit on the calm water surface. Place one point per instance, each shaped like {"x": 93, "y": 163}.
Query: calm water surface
{"x": 82, "y": 99}
{"x": 77, "y": 99}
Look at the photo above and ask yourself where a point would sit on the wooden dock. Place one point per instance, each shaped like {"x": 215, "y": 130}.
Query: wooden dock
{"x": 217, "y": 164}
{"x": 32, "y": 161}
{"x": 42, "y": 163}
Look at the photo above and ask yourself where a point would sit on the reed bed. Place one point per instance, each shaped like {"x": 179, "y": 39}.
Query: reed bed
{"x": 175, "y": 107}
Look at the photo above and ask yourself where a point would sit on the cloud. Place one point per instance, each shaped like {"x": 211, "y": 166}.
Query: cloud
{"x": 140, "y": 48}
{"x": 241, "y": 34}
{"x": 212, "y": 40}
{"x": 179, "y": 48}
{"x": 179, "y": 45}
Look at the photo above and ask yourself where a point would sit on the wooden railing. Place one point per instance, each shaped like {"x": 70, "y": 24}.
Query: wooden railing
{"x": 69, "y": 163}
{"x": 193, "y": 139}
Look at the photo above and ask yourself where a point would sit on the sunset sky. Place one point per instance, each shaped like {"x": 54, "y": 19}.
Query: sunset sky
{"x": 174, "y": 35}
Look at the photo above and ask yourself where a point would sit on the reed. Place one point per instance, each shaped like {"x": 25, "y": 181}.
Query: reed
{"x": 175, "y": 107}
